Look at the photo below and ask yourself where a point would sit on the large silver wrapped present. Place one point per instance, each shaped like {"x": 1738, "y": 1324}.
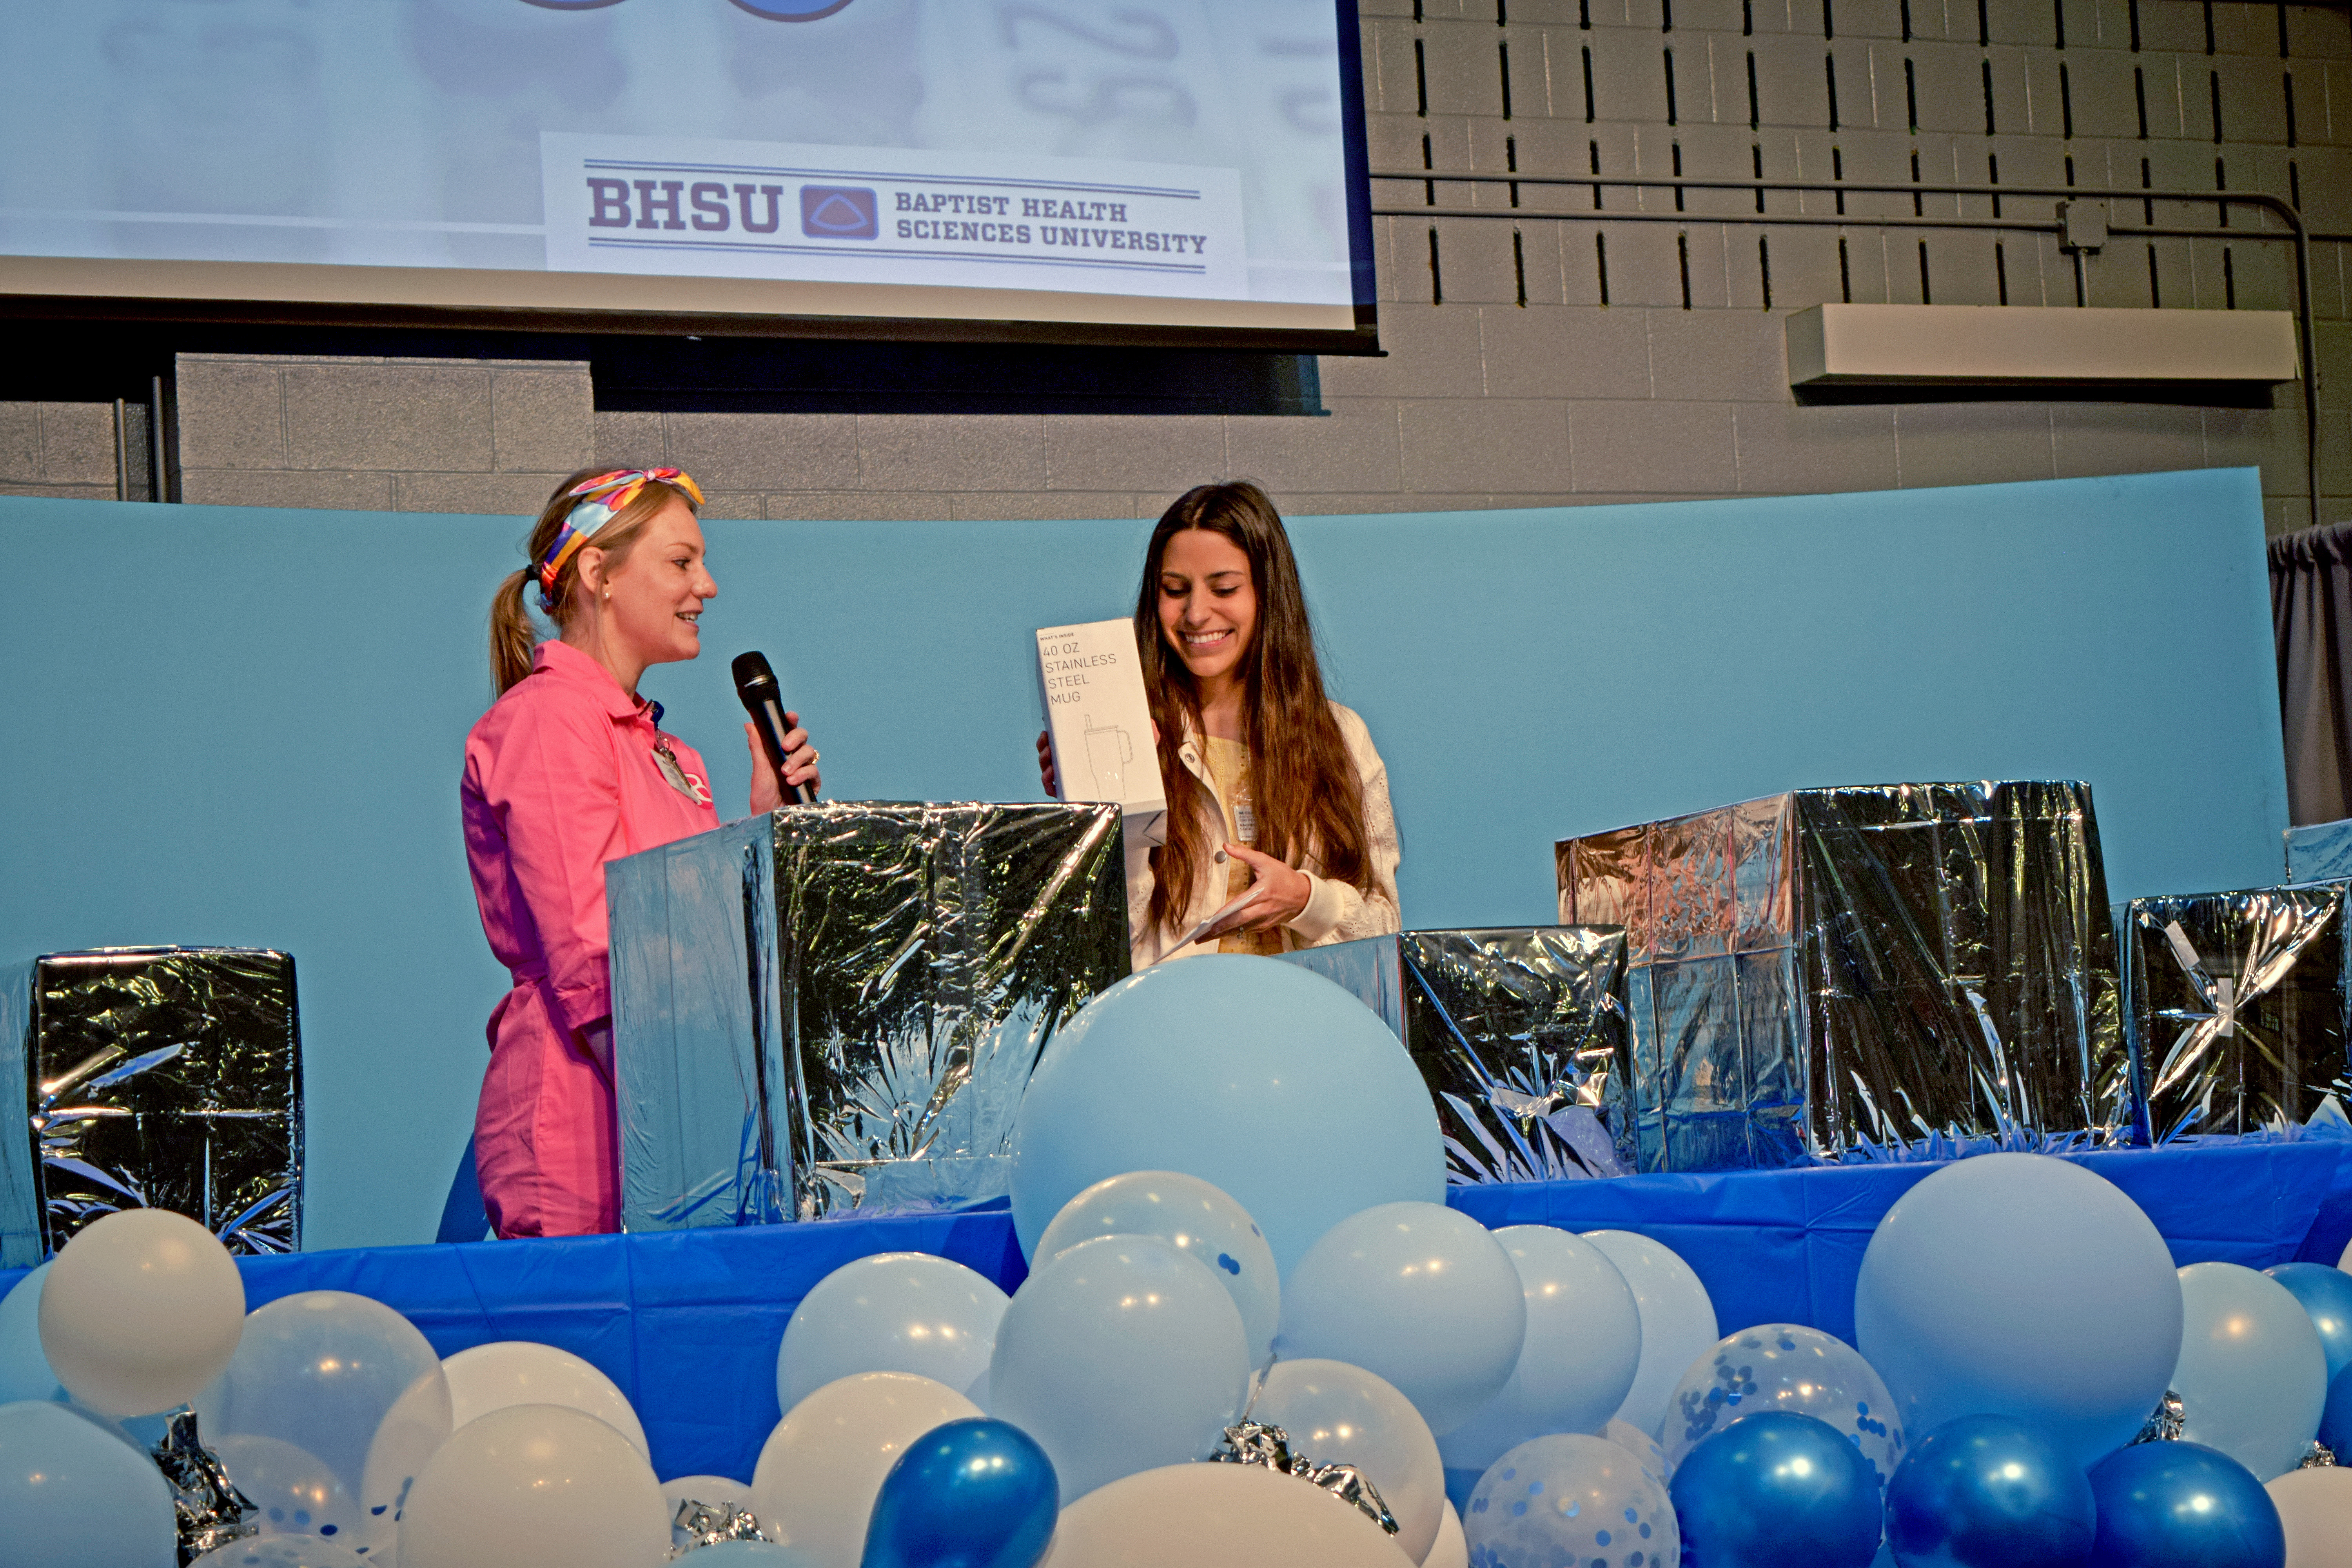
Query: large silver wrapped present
{"x": 1835, "y": 971}
{"x": 164, "y": 1077}
{"x": 838, "y": 1007}
{"x": 1519, "y": 1033}
{"x": 2238, "y": 1006}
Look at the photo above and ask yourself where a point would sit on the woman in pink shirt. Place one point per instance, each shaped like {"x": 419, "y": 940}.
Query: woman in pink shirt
{"x": 569, "y": 769}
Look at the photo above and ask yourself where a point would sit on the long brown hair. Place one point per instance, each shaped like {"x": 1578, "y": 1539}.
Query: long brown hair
{"x": 1304, "y": 783}
{"x": 511, "y": 634}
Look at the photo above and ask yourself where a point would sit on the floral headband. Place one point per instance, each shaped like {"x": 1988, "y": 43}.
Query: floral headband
{"x": 598, "y": 500}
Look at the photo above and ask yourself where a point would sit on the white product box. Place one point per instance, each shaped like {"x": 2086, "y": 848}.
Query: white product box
{"x": 1099, "y": 717}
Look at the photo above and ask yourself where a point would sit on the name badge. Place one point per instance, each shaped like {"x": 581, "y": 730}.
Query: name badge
{"x": 679, "y": 780}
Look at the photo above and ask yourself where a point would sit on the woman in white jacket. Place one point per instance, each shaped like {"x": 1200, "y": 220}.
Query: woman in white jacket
{"x": 1273, "y": 788}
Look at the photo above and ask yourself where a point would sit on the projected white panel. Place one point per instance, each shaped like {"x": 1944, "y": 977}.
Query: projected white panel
{"x": 1159, "y": 163}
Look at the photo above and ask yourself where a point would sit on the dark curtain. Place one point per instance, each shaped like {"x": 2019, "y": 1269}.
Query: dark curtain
{"x": 2311, "y": 618}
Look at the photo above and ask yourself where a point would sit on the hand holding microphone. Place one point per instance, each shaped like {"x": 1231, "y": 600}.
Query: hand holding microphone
{"x": 777, "y": 735}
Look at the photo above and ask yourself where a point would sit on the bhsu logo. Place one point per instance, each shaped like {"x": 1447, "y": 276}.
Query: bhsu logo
{"x": 839, "y": 212}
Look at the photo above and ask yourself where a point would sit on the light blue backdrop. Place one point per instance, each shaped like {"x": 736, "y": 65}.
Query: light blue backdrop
{"x": 244, "y": 726}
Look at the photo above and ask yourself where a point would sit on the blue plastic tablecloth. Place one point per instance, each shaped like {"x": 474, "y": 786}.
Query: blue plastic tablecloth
{"x": 688, "y": 1322}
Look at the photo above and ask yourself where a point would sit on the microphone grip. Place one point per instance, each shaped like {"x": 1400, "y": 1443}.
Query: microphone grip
{"x": 767, "y": 719}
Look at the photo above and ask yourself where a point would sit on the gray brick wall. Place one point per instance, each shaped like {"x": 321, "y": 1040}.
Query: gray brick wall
{"x": 1508, "y": 381}
{"x": 68, "y": 450}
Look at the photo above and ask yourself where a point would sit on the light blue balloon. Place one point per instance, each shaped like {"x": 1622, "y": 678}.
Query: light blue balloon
{"x": 752, "y": 1555}
{"x": 24, "y": 1370}
{"x": 2024, "y": 1286}
{"x": 1418, "y": 1293}
{"x": 1786, "y": 1366}
{"x": 1122, "y": 1354}
{"x": 2253, "y": 1379}
{"x": 1270, "y": 1081}
{"x": 1193, "y": 1215}
{"x": 1583, "y": 1348}
{"x": 896, "y": 1311}
{"x": 73, "y": 1492}
{"x": 281, "y": 1552}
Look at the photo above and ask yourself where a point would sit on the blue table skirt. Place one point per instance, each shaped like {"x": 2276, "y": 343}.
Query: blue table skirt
{"x": 688, "y": 1322}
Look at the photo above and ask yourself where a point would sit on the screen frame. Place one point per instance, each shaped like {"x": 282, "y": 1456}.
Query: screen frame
{"x": 305, "y": 294}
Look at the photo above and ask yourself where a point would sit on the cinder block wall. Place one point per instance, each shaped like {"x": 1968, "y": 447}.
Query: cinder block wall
{"x": 1534, "y": 360}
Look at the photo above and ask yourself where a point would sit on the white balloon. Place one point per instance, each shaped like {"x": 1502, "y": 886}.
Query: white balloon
{"x": 1185, "y": 1516}
{"x": 1451, "y": 1549}
{"x": 751, "y": 1555}
{"x": 1677, "y": 1320}
{"x": 896, "y": 1311}
{"x": 329, "y": 1381}
{"x": 715, "y": 1490}
{"x": 2316, "y": 1510}
{"x": 1582, "y": 1347}
{"x": 822, "y": 1466}
{"x": 522, "y": 1371}
{"x": 24, "y": 1370}
{"x": 72, "y": 1492}
{"x": 1193, "y": 1216}
{"x": 281, "y": 1552}
{"x": 1334, "y": 1413}
{"x": 2252, "y": 1377}
{"x": 141, "y": 1309}
{"x": 535, "y": 1483}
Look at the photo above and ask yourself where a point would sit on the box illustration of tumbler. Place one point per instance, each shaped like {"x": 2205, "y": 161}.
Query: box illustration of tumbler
{"x": 1862, "y": 969}
{"x": 164, "y": 1077}
{"x": 836, "y": 1007}
{"x": 2239, "y": 1006}
{"x": 1097, "y": 717}
{"x": 1519, "y": 1033}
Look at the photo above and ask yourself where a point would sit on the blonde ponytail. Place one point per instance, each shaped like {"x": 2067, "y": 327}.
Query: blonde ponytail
{"x": 511, "y": 636}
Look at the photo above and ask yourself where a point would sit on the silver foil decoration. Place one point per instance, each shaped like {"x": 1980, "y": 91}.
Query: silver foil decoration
{"x": 713, "y": 1524}
{"x": 152, "y": 1077}
{"x": 211, "y": 1511}
{"x": 2164, "y": 1423}
{"x": 2238, "y": 1014}
{"x": 1865, "y": 973}
{"x": 1254, "y": 1443}
{"x": 2318, "y": 1456}
{"x": 838, "y": 1007}
{"x": 1518, "y": 1032}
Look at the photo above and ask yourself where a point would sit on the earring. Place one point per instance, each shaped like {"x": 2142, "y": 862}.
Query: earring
{"x": 608, "y": 592}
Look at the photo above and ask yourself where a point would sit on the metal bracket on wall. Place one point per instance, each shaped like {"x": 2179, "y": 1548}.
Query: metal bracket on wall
{"x": 2285, "y": 211}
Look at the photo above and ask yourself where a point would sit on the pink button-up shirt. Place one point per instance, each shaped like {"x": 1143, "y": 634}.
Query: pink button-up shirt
{"x": 562, "y": 773}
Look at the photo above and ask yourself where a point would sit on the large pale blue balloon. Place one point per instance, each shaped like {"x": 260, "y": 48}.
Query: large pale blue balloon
{"x": 1256, "y": 1075}
{"x": 2326, "y": 1294}
{"x": 1678, "y": 1324}
{"x": 1193, "y": 1215}
{"x": 1570, "y": 1498}
{"x": 1776, "y": 1490}
{"x": 1786, "y": 1366}
{"x": 896, "y": 1311}
{"x": 1418, "y": 1293}
{"x": 1583, "y": 1345}
{"x": 72, "y": 1492}
{"x": 2025, "y": 1286}
{"x": 24, "y": 1371}
{"x": 1985, "y": 1491}
{"x": 2182, "y": 1505}
{"x": 2253, "y": 1379}
{"x": 1122, "y": 1354}
{"x": 970, "y": 1494}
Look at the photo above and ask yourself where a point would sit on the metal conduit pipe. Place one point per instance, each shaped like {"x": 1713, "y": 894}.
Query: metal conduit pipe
{"x": 2285, "y": 210}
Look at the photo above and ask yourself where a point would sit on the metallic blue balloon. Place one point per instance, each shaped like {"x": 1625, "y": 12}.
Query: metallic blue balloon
{"x": 2335, "y": 1420}
{"x": 2326, "y": 1293}
{"x": 2182, "y": 1505}
{"x": 1777, "y": 1490}
{"x": 1989, "y": 1491}
{"x": 975, "y": 1493}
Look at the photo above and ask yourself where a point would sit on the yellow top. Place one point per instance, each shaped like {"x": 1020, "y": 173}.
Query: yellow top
{"x": 1229, "y": 767}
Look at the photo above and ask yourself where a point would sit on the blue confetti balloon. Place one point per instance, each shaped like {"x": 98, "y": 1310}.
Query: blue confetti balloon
{"x": 1989, "y": 1491}
{"x": 2182, "y": 1505}
{"x": 2327, "y": 1294}
{"x": 1777, "y": 1490}
{"x": 1568, "y": 1500}
{"x": 970, "y": 1494}
{"x": 1786, "y": 1366}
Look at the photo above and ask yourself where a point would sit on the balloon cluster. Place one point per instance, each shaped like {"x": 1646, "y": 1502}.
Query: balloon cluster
{"x": 1402, "y": 1386}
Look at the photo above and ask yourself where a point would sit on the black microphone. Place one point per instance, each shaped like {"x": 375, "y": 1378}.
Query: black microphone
{"x": 755, "y": 683}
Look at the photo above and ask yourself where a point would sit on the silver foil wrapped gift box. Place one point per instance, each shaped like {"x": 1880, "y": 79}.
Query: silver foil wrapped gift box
{"x": 838, "y": 1007}
{"x": 161, "y": 1078}
{"x": 1519, "y": 1033}
{"x": 2238, "y": 1016}
{"x": 1840, "y": 971}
